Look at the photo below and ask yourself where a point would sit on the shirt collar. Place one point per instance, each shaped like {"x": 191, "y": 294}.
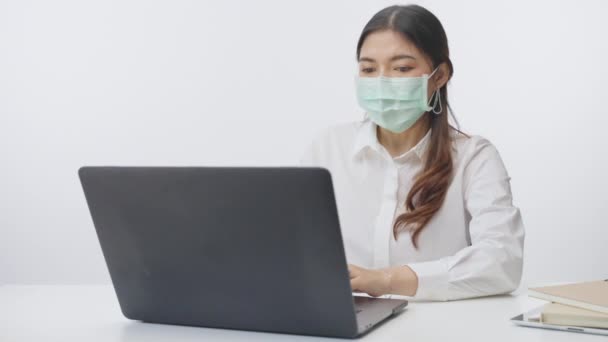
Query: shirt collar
{"x": 366, "y": 137}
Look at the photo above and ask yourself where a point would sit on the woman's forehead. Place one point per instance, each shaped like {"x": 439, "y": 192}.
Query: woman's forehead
{"x": 385, "y": 44}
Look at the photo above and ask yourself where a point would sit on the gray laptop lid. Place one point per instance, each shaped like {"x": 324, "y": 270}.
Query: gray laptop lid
{"x": 243, "y": 248}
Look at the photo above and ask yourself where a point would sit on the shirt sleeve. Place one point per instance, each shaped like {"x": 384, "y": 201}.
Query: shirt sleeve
{"x": 492, "y": 264}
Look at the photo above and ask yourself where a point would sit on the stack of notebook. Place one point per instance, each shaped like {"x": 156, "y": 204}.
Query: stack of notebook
{"x": 581, "y": 304}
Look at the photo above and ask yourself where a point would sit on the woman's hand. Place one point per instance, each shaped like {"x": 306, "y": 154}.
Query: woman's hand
{"x": 400, "y": 280}
{"x": 373, "y": 282}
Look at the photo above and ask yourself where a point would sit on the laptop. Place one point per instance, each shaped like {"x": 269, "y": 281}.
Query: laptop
{"x": 249, "y": 248}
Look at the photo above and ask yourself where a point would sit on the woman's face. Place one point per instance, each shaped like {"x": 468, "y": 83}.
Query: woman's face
{"x": 390, "y": 54}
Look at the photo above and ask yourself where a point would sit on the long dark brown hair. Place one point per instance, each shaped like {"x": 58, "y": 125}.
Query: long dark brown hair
{"x": 430, "y": 186}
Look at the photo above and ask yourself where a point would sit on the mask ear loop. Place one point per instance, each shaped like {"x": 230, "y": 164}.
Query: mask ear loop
{"x": 436, "y": 100}
{"x": 437, "y": 94}
{"x": 432, "y": 73}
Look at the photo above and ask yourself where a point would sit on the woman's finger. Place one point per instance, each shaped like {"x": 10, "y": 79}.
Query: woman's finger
{"x": 355, "y": 284}
{"x": 353, "y": 271}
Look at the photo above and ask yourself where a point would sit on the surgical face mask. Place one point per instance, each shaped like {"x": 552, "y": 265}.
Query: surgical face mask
{"x": 395, "y": 103}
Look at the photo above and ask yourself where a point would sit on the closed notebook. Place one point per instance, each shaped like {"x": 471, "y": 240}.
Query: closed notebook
{"x": 560, "y": 314}
{"x": 592, "y": 295}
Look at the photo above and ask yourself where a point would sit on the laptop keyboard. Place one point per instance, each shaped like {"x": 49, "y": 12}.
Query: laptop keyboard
{"x": 361, "y": 303}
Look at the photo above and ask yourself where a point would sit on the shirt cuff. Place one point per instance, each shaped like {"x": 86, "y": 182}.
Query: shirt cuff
{"x": 432, "y": 280}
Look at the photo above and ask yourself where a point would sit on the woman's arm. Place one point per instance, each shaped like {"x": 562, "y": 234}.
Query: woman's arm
{"x": 493, "y": 262}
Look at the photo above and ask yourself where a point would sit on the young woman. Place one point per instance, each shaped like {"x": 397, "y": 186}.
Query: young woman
{"x": 426, "y": 210}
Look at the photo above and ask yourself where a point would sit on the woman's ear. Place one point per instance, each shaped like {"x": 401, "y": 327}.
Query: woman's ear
{"x": 442, "y": 76}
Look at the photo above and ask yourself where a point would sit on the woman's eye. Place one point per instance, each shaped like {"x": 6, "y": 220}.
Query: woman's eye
{"x": 403, "y": 69}
{"x": 367, "y": 70}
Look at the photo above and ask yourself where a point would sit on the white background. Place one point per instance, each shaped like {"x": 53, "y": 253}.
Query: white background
{"x": 251, "y": 82}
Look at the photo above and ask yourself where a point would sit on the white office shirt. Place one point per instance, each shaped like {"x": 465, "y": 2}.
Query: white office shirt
{"x": 473, "y": 246}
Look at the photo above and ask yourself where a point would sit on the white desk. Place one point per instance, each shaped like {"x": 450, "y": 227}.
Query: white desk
{"x": 91, "y": 314}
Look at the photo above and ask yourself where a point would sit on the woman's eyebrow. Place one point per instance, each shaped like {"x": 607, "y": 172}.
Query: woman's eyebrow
{"x": 367, "y": 59}
{"x": 396, "y": 57}
{"x": 392, "y": 59}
